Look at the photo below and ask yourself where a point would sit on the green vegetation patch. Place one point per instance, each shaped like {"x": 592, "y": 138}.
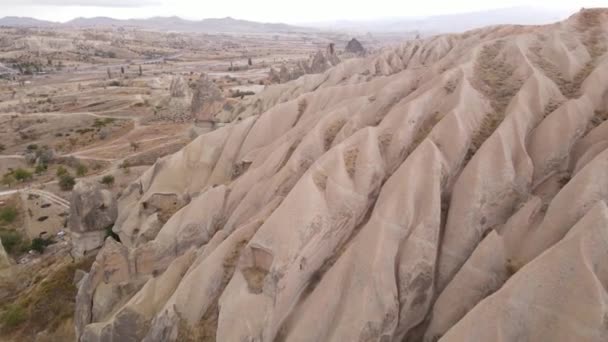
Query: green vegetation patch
{"x": 13, "y": 242}
{"x": 50, "y": 302}
{"x": 8, "y": 214}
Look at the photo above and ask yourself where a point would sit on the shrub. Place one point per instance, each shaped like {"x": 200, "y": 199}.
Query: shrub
{"x": 13, "y": 242}
{"x": 84, "y": 130}
{"x": 32, "y": 147}
{"x": 103, "y": 122}
{"x": 51, "y": 302}
{"x": 107, "y": 180}
{"x": 8, "y": 179}
{"x": 8, "y": 214}
{"x": 66, "y": 182}
{"x": 39, "y": 244}
{"x": 134, "y": 145}
{"x": 13, "y": 316}
{"x": 110, "y": 233}
{"x": 22, "y": 175}
{"x": 81, "y": 170}
{"x": 61, "y": 171}
{"x": 45, "y": 155}
{"x": 2, "y": 147}
{"x": 40, "y": 168}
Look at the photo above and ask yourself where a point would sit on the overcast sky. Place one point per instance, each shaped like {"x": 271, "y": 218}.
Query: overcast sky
{"x": 269, "y": 10}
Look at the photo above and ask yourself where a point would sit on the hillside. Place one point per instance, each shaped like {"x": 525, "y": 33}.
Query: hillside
{"x": 452, "y": 188}
{"x": 161, "y": 24}
{"x": 25, "y": 22}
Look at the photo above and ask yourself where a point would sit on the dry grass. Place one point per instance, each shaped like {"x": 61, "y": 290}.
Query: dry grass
{"x": 289, "y": 153}
{"x": 589, "y": 18}
{"x": 331, "y": 132}
{"x": 591, "y": 37}
{"x": 512, "y": 267}
{"x": 350, "y": 161}
{"x": 165, "y": 205}
{"x": 488, "y": 125}
{"x": 255, "y": 278}
{"x": 496, "y": 81}
{"x": 552, "y": 106}
{"x": 204, "y": 331}
{"x": 320, "y": 180}
{"x": 426, "y": 128}
{"x": 302, "y": 105}
{"x": 598, "y": 118}
{"x": 48, "y": 303}
{"x": 495, "y": 77}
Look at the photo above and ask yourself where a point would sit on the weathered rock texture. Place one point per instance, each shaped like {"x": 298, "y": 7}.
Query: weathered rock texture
{"x": 93, "y": 211}
{"x": 450, "y": 189}
{"x": 354, "y": 47}
{"x": 185, "y": 104}
{"x": 207, "y": 100}
{"x": 179, "y": 88}
{"x": 5, "y": 260}
{"x": 317, "y": 63}
{"x": 176, "y": 106}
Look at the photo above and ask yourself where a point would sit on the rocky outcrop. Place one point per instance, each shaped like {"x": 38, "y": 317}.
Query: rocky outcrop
{"x": 450, "y": 189}
{"x": 5, "y": 261}
{"x": 179, "y": 88}
{"x": 176, "y": 106}
{"x": 207, "y": 100}
{"x": 317, "y": 63}
{"x": 93, "y": 212}
{"x": 354, "y": 47}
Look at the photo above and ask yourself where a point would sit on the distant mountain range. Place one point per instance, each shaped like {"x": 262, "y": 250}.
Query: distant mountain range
{"x": 427, "y": 25}
{"x": 452, "y": 22}
{"x": 161, "y": 23}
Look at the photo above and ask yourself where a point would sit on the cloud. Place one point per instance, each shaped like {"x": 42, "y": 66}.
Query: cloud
{"x": 85, "y": 3}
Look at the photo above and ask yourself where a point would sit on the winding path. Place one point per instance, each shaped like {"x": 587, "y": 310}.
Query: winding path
{"x": 45, "y": 194}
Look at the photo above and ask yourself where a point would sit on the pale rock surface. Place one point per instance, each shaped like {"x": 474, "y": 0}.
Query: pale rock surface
{"x": 318, "y": 63}
{"x": 207, "y": 100}
{"x": 5, "y": 260}
{"x": 452, "y": 188}
{"x": 93, "y": 212}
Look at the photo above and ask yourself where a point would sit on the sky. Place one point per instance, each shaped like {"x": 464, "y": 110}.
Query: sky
{"x": 286, "y": 11}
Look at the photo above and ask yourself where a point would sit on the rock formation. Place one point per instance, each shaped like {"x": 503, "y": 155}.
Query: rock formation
{"x": 317, "y": 63}
{"x": 5, "y": 260}
{"x": 354, "y": 47}
{"x": 176, "y": 106}
{"x": 453, "y": 189}
{"x": 207, "y": 100}
{"x": 179, "y": 87}
{"x": 184, "y": 104}
{"x": 93, "y": 212}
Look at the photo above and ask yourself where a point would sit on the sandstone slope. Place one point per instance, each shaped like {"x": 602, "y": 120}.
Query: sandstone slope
{"x": 452, "y": 189}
